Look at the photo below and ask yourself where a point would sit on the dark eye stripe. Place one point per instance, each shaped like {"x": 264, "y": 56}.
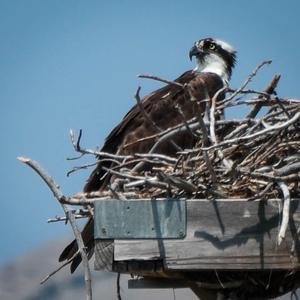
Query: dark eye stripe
{"x": 212, "y": 46}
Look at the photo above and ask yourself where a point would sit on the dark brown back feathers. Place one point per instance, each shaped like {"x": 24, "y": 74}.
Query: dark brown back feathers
{"x": 160, "y": 106}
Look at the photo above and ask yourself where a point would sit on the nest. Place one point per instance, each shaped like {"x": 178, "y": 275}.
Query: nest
{"x": 254, "y": 157}
{"x": 251, "y": 159}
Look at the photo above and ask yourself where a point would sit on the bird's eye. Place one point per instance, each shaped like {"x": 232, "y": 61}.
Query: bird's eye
{"x": 212, "y": 46}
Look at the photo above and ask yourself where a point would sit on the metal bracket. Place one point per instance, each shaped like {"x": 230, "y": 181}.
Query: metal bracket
{"x": 140, "y": 219}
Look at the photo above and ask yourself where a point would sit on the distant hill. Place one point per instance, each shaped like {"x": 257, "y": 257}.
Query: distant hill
{"x": 19, "y": 280}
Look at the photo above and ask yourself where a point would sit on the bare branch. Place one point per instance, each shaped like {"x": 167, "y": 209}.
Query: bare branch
{"x": 161, "y": 80}
{"x": 250, "y": 77}
{"x": 118, "y": 287}
{"x": 56, "y": 270}
{"x": 205, "y": 144}
{"x": 61, "y": 198}
{"x": 213, "y": 136}
{"x": 185, "y": 122}
{"x": 269, "y": 90}
{"x": 78, "y": 214}
{"x": 257, "y": 134}
{"x": 148, "y": 119}
{"x": 285, "y": 211}
{"x": 78, "y": 148}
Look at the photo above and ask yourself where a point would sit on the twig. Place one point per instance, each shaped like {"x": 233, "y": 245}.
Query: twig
{"x": 64, "y": 219}
{"x": 123, "y": 174}
{"x": 288, "y": 169}
{"x": 212, "y": 116}
{"x": 269, "y": 90}
{"x": 60, "y": 197}
{"x": 161, "y": 80}
{"x": 285, "y": 211}
{"x": 249, "y": 91}
{"x": 55, "y": 271}
{"x": 205, "y": 144}
{"x": 213, "y": 136}
{"x": 256, "y": 134}
{"x": 261, "y": 194}
{"x": 288, "y": 178}
{"x": 185, "y": 122}
{"x": 149, "y": 120}
{"x": 178, "y": 182}
{"x": 118, "y": 287}
{"x": 75, "y": 169}
{"x": 219, "y": 280}
{"x": 294, "y": 294}
{"x": 152, "y": 182}
{"x": 157, "y": 156}
{"x": 254, "y": 72}
{"x": 193, "y": 125}
{"x": 77, "y": 148}
{"x": 144, "y": 113}
{"x": 78, "y": 214}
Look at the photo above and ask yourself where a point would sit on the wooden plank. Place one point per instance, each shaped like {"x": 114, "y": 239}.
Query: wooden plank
{"x": 225, "y": 234}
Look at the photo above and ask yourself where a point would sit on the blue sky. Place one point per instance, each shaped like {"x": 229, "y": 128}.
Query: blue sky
{"x": 73, "y": 64}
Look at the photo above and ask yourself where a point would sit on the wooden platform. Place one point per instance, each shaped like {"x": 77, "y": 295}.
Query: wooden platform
{"x": 222, "y": 234}
{"x": 230, "y": 236}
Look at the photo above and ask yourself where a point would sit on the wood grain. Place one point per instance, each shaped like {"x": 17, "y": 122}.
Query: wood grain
{"x": 224, "y": 234}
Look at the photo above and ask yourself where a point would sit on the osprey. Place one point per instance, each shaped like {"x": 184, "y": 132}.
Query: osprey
{"x": 215, "y": 60}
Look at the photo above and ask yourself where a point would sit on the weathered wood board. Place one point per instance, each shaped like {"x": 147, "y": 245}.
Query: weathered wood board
{"x": 224, "y": 235}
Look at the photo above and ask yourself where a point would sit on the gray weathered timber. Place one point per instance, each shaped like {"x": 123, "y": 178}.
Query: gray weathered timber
{"x": 225, "y": 235}
{"x": 115, "y": 219}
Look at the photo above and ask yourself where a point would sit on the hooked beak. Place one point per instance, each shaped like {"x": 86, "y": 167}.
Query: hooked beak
{"x": 194, "y": 52}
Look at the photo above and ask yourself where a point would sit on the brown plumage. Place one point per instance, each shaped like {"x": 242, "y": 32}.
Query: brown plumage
{"x": 161, "y": 106}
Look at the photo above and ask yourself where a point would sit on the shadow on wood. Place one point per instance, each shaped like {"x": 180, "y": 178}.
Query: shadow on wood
{"x": 228, "y": 246}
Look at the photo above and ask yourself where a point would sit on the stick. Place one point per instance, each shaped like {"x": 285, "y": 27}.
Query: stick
{"x": 285, "y": 211}
{"x": 77, "y": 148}
{"x": 193, "y": 125}
{"x": 78, "y": 214}
{"x": 60, "y": 197}
{"x": 185, "y": 122}
{"x": 161, "y": 80}
{"x": 118, "y": 287}
{"x": 55, "y": 271}
{"x": 269, "y": 90}
{"x": 213, "y": 136}
{"x": 147, "y": 117}
{"x": 254, "y": 72}
{"x": 256, "y": 134}
{"x": 205, "y": 144}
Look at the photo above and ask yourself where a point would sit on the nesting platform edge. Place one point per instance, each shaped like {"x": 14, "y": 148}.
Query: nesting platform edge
{"x": 224, "y": 234}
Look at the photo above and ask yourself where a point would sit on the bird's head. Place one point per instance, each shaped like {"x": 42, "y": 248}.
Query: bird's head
{"x": 215, "y": 56}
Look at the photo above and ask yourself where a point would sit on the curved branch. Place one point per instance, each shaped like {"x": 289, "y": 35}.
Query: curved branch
{"x": 70, "y": 216}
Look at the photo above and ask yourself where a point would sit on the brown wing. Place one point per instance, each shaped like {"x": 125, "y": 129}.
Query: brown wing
{"x": 160, "y": 105}
{"x": 161, "y": 108}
